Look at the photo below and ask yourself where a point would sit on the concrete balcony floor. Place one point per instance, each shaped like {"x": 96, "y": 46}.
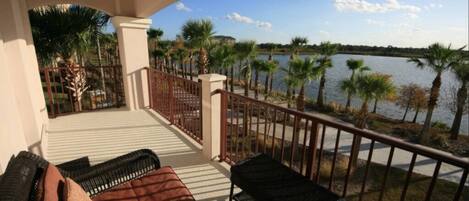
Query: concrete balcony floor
{"x": 106, "y": 134}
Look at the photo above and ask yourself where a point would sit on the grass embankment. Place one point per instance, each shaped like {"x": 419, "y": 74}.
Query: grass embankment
{"x": 417, "y": 188}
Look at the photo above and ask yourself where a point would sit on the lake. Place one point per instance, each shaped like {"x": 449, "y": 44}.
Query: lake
{"x": 402, "y": 73}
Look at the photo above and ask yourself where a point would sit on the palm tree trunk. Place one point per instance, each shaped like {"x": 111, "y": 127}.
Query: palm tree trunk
{"x": 461, "y": 101}
{"x": 406, "y": 110}
{"x": 226, "y": 81}
{"x": 361, "y": 123}
{"x": 300, "y": 106}
{"x": 202, "y": 61}
{"x": 349, "y": 94}
{"x": 232, "y": 79}
{"x": 434, "y": 93}
{"x": 183, "y": 68}
{"x": 288, "y": 97}
{"x": 300, "y": 100}
{"x": 349, "y": 100}
{"x": 239, "y": 70}
{"x": 375, "y": 106}
{"x": 417, "y": 110}
{"x": 103, "y": 82}
{"x": 271, "y": 82}
{"x": 289, "y": 92}
{"x": 362, "y": 115}
{"x": 256, "y": 84}
{"x": 155, "y": 57}
{"x": 322, "y": 83}
{"x": 246, "y": 86}
{"x": 190, "y": 64}
{"x": 266, "y": 84}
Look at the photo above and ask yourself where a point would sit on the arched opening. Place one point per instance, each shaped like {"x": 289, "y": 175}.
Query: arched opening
{"x": 78, "y": 58}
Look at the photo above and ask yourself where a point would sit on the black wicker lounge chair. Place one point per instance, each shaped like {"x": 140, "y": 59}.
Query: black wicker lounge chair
{"x": 21, "y": 179}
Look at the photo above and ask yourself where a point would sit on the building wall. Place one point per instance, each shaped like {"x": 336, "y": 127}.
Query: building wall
{"x": 11, "y": 131}
{"x": 23, "y": 111}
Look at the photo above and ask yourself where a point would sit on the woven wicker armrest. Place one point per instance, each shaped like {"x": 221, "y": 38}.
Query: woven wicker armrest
{"x": 103, "y": 176}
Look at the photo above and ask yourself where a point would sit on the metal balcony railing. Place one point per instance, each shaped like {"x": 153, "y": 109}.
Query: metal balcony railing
{"x": 311, "y": 146}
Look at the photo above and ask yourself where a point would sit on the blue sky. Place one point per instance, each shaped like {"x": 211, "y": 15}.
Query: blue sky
{"x": 404, "y": 23}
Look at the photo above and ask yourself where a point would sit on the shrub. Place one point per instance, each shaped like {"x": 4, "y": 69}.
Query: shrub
{"x": 440, "y": 141}
{"x": 440, "y": 125}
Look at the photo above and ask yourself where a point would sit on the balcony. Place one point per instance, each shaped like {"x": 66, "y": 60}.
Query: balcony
{"x": 106, "y": 134}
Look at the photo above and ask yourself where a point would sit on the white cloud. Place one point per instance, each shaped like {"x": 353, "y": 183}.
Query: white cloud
{"x": 264, "y": 25}
{"x": 375, "y": 22}
{"x": 367, "y": 7}
{"x": 180, "y": 6}
{"x": 247, "y": 20}
{"x": 412, "y": 15}
{"x": 239, "y": 18}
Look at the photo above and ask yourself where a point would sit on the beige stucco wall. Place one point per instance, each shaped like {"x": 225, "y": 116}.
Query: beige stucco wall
{"x": 23, "y": 107}
{"x": 11, "y": 139}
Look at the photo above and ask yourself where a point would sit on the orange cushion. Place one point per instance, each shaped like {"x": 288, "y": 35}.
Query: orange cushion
{"x": 53, "y": 184}
{"x": 159, "y": 185}
{"x": 74, "y": 192}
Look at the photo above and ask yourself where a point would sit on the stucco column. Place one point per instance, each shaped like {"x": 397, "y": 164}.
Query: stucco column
{"x": 22, "y": 107}
{"x": 211, "y": 108}
{"x": 133, "y": 52}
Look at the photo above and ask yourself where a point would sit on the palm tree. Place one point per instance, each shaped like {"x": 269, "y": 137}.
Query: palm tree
{"x": 199, "y": 34}
{"x": 461, "y": 71}
{"x": 271, "y": 47}
{"x": 368, "y": 87}
{"x": 246, "y": 51}
{"x": 159, "y": 55}
{"x": 258, "y": 65}
{"x": 439, "y": 59}
{"x": 67, "y": 31}
{"x": 354, "y": 65}
{"x": 182, "y": 55}
{"x": 386, "y": 90}
{"x": 296, "y": 44}
{"x": 326, "y": 50}
{"x": 110, "y": 45}
{"x": 222, "y": 59}
{"x": 166, "y": 49}
{"x": 301, "y": 72}
{"x": 269, "y": 71}
{"x": 154, "y": 35}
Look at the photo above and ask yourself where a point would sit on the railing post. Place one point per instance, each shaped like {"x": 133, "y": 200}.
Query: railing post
{"x": 224, "y": 108}
{"x": 313, "y": 142}
{"x": 49, "y": 92}
{"x": 211, "y": 114}
{"x": 150, "y": 88}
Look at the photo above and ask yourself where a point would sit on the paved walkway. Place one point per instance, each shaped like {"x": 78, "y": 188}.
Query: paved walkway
{"x": 106, "y": 134}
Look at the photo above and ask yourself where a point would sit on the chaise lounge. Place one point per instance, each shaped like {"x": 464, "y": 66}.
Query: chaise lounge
{"x": 132, "y": 177}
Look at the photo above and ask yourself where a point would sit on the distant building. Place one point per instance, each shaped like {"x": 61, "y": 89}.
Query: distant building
{"x": 224, "y": 39}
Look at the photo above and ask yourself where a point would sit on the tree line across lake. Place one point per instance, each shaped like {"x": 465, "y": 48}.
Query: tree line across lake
{"x": 196, "y": 50}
